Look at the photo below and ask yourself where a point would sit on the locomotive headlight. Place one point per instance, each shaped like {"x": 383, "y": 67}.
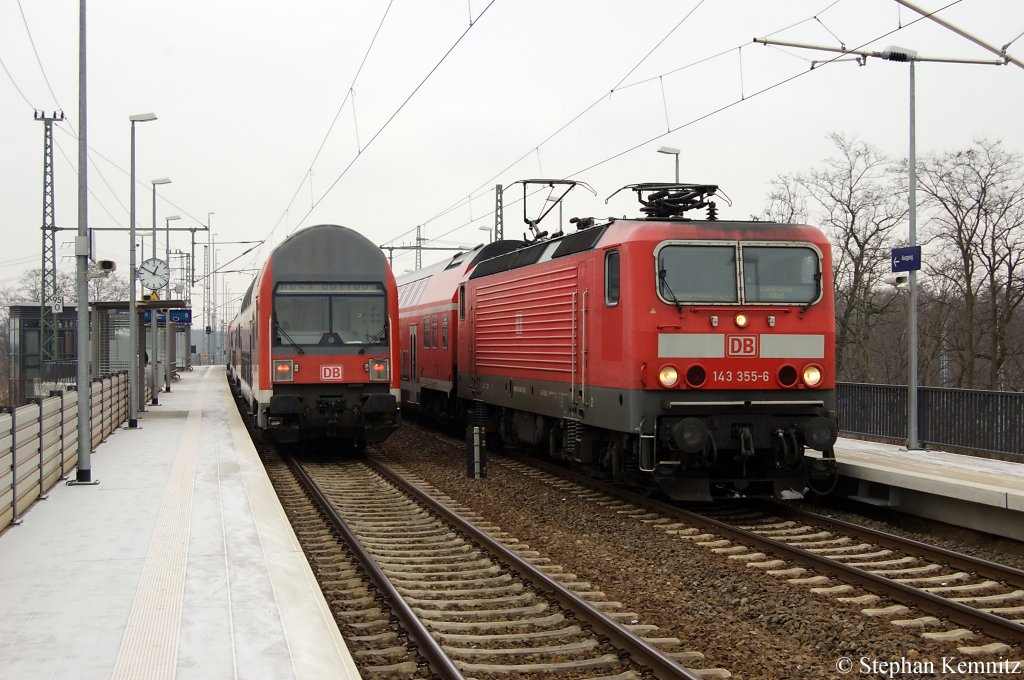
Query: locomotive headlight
{"x": 668, "y": 376}
{"x": 812, "y": 375}
{"x": 284, "y": 370}
{"x": 742, "y": 320}
{"x": 380, "y": 370}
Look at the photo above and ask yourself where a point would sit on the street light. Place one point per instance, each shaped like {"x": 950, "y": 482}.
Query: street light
{"x": 488, "y": 230}
{"x": 133, "y": 319}
{"x": 901, "y": 54}
{"x": 673, "y": 152}
{"x": 169, "y": 337}
{"x": 152, "y": 312}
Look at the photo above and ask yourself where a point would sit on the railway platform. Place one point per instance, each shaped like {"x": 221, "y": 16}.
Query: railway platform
{"x": 966, "y": 491}
{"x": 179, "y": 563}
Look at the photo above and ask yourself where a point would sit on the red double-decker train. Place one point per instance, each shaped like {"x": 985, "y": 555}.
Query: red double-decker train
{"x": 696, "y": 355}
{"x": 312, "y": 348}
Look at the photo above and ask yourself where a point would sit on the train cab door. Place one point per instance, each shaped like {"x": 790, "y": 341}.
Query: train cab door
{"x": 580, "y": 337}
{"x": 414, "y": 376}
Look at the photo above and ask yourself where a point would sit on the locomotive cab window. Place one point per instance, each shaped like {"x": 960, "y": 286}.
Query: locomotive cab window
{"x": 330, "y": 315}
{"x": 695, "y": 272}
{"x": 611, "y": 278}
{"x": 781, "y": 274}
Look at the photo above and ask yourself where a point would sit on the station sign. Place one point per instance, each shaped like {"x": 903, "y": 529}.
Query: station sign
{"x": 179, "y": 316}
{"x": 906, "y": 259}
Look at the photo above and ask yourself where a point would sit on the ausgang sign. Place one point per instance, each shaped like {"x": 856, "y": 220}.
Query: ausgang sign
{"x": 906, "y": 259}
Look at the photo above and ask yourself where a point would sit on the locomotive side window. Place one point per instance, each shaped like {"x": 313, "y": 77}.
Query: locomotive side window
{"x": 697, "y": 273}
{"x": 611, "y": 278}
{"x": 781, "y": 274}
{"x": 426, "y": 332}
{"x": 330, "y": 314}
{"x": 462, "y": 302}
{"x": 444, "y": 331}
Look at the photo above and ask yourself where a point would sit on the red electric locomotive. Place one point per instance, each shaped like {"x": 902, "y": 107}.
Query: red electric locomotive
{"x": 312, "y": 348}
{"x": 694, "y": 354}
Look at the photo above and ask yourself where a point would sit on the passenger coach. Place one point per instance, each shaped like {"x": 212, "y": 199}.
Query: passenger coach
{"x": 313, "y": 347}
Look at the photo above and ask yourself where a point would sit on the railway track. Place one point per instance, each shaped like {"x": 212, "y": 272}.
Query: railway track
{"x": 834, "y": 558}
{"x": 425, "y": 588}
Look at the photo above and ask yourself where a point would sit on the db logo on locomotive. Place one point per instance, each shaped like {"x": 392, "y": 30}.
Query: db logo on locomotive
{"x": 741, "y": 346}
{"x": 332, "y": 373}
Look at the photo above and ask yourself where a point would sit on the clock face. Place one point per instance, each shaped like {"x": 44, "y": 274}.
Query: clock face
{"x": 154, "y": 273}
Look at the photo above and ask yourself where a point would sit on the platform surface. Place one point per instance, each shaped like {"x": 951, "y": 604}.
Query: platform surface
{"x": 180, "y": 563}
{"x": 986, "y": 481}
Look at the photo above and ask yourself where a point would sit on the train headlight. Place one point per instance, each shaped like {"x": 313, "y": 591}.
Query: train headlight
{"x": 812, "y": 375}
{"x": 380, "y": 370}
{"x": 742, "y": 320}
{"x": 668, "y": 376}
{"x": 284, "y": 370}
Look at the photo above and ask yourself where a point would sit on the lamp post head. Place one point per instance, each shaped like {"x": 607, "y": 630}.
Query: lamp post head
{"x": 162, "y": 180}
{"x": 142, "y": 117}
{"x": 172, "y": 217}
{"x": 669, "y": 150}
{"x": 894, "y": 53}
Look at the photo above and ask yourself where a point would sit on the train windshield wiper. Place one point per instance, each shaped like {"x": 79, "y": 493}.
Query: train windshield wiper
{"x": 282, "y": 331}
{"x": 663, "y": 279}
{"x": 374, "y": 339}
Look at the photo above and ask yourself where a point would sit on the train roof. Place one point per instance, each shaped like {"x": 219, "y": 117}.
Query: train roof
{"x": 617, "y": 231}
{"x": 328, "y": 251}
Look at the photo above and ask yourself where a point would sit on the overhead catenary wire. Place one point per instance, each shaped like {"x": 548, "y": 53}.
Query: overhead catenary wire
{"x": 724, "y": 107}
{"x": 487, "y": 186}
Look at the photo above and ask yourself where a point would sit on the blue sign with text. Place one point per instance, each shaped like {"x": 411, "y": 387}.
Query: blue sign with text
{"x": 178, "y": 316}
{"x": 906, "y": 259}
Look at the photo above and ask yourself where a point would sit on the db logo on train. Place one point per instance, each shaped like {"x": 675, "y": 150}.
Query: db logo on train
{"x": 332, "y": 373}
{"x": 741, "y": 346}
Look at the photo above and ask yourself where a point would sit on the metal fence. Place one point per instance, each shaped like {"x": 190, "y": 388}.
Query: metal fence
{"x": 967, "y": 421}
{"x": 39, "y": 441}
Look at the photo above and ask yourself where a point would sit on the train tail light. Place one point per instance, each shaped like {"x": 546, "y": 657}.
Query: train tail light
{"x": 787, "y": 376}
{"x": 668, "y": 376}
{"x": 284, "y": 370}
{"x": 696, "y": 375}
{"x": 812, "y": 375}
{"x": 380, "y": 370}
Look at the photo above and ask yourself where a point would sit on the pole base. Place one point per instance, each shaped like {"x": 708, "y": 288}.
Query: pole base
{"x": 133, "y": 423}
{"x": 155, "y": 402}
{"x": 83, "y": 478}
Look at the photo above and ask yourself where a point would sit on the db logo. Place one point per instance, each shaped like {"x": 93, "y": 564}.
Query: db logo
{"x": 332, "y": 373}
{"x": 741, "y": 345}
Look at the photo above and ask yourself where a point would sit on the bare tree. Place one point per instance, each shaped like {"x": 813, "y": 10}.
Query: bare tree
{"x": 976, "y": 199}
{"x": 858, "y": 201}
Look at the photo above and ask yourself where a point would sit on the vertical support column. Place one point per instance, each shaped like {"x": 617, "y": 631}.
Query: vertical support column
{"x": 42, "y": 490}
{"x": 60, "y": 393}
{"x": 49, "y": 304}
{"x": 14, "y": 462}
{"x": 499, "y": 214}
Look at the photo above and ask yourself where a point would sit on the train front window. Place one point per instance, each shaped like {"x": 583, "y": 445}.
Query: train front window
{"x": 330, "y": 314}
{"x": 689, "y": 273}
{"x": 781, "y": 274}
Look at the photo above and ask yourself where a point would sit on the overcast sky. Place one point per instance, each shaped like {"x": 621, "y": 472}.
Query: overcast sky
{"x": 246, "y": 93}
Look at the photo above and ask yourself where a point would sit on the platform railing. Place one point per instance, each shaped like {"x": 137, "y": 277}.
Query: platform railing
{"x": 976, "y": 422}
{"x": 39, "y": 441}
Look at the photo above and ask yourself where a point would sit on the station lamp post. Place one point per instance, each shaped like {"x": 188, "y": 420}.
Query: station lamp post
{"x": 488, "y": 230}
{"x": 170, "y": 339}
{"x": 152, "y": 312}
{"x": 133, "y": 318}
{"x": 902, "y": 55}
{"x": 674, "y": 152}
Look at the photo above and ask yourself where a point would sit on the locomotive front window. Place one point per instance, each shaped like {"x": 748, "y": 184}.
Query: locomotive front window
{"x": 780, "y": 274}
{"x": 689, "y": 273}
{"x": 329, "y": 314}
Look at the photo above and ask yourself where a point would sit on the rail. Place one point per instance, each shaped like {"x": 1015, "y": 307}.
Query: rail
{"x": 39, "y": 441}
{"x": 975, "y": 422}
